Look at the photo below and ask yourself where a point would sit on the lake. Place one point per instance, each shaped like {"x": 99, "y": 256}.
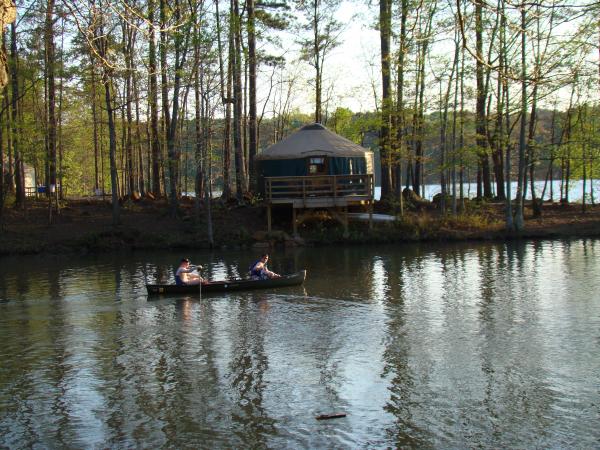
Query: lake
{"x": 469, "y": 345}
{"x": 552, "y": 187}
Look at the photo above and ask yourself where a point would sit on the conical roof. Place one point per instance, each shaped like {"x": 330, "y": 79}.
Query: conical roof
{"x": 313, "y": 140}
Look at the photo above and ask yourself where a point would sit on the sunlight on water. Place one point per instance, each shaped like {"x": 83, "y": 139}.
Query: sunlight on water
{"x": 552, "y": 190}
{"x": 490, "y": 345}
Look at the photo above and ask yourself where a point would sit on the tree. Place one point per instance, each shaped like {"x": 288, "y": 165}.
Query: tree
{"x": 385, "y": 30}
{"x": 480, "y": 108}
{"x": 19, "y": 175}
{"x": 426, "y": 22}
{"x": 52, "y": 188}
{"x": 519, "y": 219}
{"x": 241, "y": 185}
{"x": 324, "y": 31}
{"x": 180, "y": 43}
{"x": 399, "y": 117}
{"x": 153, "y": 100}
{"x": 252, "y": 116}
{"x": 95, "y": 26}
{"x": 8, "y": 14}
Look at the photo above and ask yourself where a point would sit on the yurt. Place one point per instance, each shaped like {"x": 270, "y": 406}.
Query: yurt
{"x": 313, "y": 150}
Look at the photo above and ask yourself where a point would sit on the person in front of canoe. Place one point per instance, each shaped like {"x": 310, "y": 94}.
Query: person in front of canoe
{"x": 184, "y": 274}
{"x": 259, "y": 270}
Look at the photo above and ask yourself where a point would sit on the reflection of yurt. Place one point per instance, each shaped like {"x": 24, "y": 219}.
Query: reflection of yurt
{"x": 311, "y": 151}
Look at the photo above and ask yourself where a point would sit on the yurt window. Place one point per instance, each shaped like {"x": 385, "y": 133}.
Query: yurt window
{"x": 316, "y": 166}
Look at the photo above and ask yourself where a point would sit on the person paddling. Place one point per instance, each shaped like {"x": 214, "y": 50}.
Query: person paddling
{"x": 259, "y": 270}
{"x": 184, "y": 274}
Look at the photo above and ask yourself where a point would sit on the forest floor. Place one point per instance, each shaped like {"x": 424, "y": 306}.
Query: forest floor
{"x": 85, "y": 225}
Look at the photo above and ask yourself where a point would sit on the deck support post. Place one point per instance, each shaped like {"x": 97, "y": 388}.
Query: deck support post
{"x": 294, "y": 221}
{"x": 371, "y": 215}
{"x": 346, "y": 233}
{"x": 269, "y": 217}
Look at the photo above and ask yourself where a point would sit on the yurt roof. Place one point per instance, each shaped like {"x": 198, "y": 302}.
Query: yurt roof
{"x": 313, "y": 140}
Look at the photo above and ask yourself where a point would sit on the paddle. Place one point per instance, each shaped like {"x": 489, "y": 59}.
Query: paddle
{"x": 197, "y": 269}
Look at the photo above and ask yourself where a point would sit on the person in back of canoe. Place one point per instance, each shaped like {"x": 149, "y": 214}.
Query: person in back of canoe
{"x": 259, "y": 270}
{"x": 184, "y": 274}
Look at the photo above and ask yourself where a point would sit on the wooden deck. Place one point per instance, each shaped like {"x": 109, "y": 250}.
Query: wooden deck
{"x": 321, "y": 191}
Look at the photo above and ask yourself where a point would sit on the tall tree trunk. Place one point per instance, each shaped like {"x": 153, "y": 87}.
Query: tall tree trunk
{"x": 202, "y": 154}
{"x": 418, "y": 183}
{"x": 400, "y": 116}
{"x": 128, "y": 40}
{"x": 454, "y": 121}
{"x": 153, "y": 101}
{"x": 123, "y": 153}
{"x": 481, "y": 138}
{"x": 112, "y": 135}
{"x": 416, "y": 126}
{"x": 317, "y": 60}
{"x": 101, "y": 48}
{"x": 240, "y": 174}
{"x": 504, "y": 134}
{"x": 6, "y": 102}
{"x": 18, "y": 172}
{"x": 172, "y": 164}
{"x": 3, "y": 178}
{"x": 581, "y": 118}
{"x": 519, "y": 219}
{"x": 444, "y": 128}
{"x": 180, "y": 48}
{"x": 94, "y": 99}
{"x": 461, "y": 134}
{"x": 530, "y": 152}
{"x": 208, "y": 183}
{"x": 550, "y": 172}
{"x": 226, "y": 100}
{"x": 138, "y": 135}
{"x": 51, "y": 106}
{"x": 252, "y": 117}
{"x": 200, "y": 142}
{"x": 385, "y": 25}
{"x": 59, "y": 139}
{"x": 498, "y": 140}
{"x": 227, "y": 149}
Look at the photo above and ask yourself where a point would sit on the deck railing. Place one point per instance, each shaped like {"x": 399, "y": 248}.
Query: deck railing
{"x": 321, "y": 186}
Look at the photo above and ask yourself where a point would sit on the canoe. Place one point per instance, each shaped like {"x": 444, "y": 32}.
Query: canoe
{"x": 228, "y": 285}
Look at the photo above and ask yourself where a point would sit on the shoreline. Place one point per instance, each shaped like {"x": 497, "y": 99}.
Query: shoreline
{"x": 85, "y": 227}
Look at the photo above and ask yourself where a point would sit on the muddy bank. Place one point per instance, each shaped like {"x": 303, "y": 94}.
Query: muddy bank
{"x": 85, "y": 226}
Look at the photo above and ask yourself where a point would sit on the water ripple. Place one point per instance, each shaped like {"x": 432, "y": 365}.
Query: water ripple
{"x": 446, "y": 346}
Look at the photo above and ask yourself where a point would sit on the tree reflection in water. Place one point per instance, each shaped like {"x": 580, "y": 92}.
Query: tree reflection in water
{"x": 247, "y": 369}
{"x": 455, "y": 346}
{"x": 397, "y": 365}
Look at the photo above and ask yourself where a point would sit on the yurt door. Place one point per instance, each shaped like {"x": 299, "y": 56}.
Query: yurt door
{"x": 317, "y": 165}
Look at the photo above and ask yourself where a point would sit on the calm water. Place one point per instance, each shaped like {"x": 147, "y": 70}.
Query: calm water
{"x": 433, "y": 346}
{"x": 470, "y": 190}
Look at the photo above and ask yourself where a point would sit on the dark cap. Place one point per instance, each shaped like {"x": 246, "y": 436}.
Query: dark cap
{"x": 185, "y": 260}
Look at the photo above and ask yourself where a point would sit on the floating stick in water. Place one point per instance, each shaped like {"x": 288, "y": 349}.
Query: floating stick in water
{"x": 330, "y": 416}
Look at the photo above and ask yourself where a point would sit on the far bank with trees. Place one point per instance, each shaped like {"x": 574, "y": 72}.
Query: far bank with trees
{"x": 165, "y": 98}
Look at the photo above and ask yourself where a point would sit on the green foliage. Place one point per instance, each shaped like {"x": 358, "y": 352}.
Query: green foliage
{"x": 254, "y": 199}
{"x": 353, "y": 126}
{"x": 273, "y": 20}
{"x": 74, "y": 96}
{"x": 9, "y": 200}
